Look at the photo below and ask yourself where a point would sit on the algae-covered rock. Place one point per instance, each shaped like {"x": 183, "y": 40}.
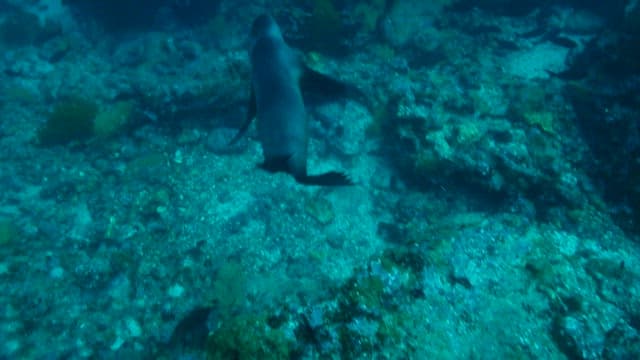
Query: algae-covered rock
{"x": 22, "y": 28}
{"x": 148, "y": 166}
{"x": 113, "y": 119}
{"x": 369, "y": 13}
{"x": 71, "y": 120}
{"x": 8, "y": 232}
{"x": 248, "y": 336}
{"x": 325, "y": 28}
{"x": 57, "y": 48}
{"x": 229, "y": 289}
{"x": 154, "y": 204}
{"x": 542, "y": 119}
{"x": 320, "y": 209}
{"x": 365, "y": 294}
{"x": 126, "y": 15}
{"x": 20, "y": 94}
{"x": 407, "y": 21}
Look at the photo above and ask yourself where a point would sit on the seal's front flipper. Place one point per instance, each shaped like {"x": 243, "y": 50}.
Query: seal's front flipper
{"x": 251, "y": 113}
{"x": 321, "y": 88}
{"x": 317, "y": 83}
{"x": 331, "y": 178}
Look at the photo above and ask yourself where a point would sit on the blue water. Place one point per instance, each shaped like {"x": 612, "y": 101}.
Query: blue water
{"x": 481, "y": 198}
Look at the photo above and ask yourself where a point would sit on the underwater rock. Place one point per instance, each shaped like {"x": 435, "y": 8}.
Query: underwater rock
{"x": 219, "y": 138}
{"x": 56, "y": 49}
{"x": 124, "y": 15}
{"x": 569, "y": 332}
{"x": 8, "y": 232}
{"x": 325, "y": 27}
{"x": 194, "y": 12}
{"x": 407, "y": 21}
{"x": 249, "y": 336}
{"x": 502, "y": 7}
{"x": 110, "y": 121}
{"x": 320, "y": 209}
{"x": 192, "y": 329}
{"x": 607, "y": 111}
{"x": 71, "y": 120}
{"x": 23, "y": 28}
{"x": 622, "y": 342}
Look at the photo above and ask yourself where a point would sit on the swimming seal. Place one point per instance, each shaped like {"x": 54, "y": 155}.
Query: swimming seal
{"x": 278, "y": 75}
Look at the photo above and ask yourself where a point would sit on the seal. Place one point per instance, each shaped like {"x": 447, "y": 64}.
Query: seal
{"x": 278, "y": 75}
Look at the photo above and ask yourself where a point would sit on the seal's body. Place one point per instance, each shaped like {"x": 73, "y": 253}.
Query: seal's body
{"x": 276, "y": 100}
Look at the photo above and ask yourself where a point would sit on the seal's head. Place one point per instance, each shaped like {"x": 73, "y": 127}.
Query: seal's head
{"x": 264, "y": 26}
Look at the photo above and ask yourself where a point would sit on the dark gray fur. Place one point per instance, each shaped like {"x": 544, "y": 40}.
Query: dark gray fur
{"x": 277, "y": 101}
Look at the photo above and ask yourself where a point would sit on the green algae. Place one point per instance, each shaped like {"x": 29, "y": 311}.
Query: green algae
{"x": 369, "y": 13}
{"x": 77, "y": 119}
{"x": 382, "y": 115}
{"x": 230, "y": 287}
{"x": 324, "y": 27}
{"x": 531, "y": 105}
{"x": 112, "y": 120}
{"x": 365, "y": 293}
{"x": 320, "y": 209}
{"x": 248, "y": 336}
{"x": 426, "y": 161}
{"x": 23, "y": 28}
{"x": 8, "y": 232}
{"x": 544, "y": 120}
{"x": 70, "y": 121}
{"x": 20, "y": 94}
{"x": 154, "y": 203}
{"x": 366, "y": 318}
{"x": 148, "y": 165}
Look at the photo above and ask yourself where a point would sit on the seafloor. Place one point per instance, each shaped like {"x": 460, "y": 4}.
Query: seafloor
{"x": 495, "y": 148}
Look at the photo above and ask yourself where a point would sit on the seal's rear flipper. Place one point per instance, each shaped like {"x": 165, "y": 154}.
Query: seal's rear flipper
{"x": 332, "y": 178}
{"x": 283, "y": 164}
